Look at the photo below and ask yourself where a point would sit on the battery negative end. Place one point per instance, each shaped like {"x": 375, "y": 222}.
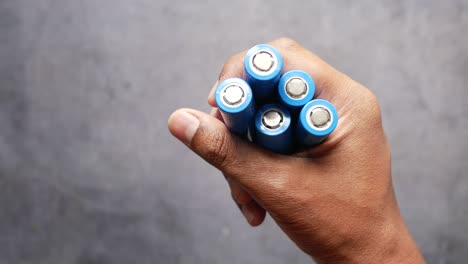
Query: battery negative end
{"x": 272, "y": 119}
{"x": 320, "y": 117}
{"x": 263, "y": 61}
{"x": 296, "y": 88}
{"x": 233, "y": 95}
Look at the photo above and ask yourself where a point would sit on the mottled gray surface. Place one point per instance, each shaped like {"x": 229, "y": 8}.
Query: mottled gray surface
{"x": 89, "y": 173}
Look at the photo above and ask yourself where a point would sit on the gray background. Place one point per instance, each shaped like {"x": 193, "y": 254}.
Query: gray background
{"x": 90, "y": 174}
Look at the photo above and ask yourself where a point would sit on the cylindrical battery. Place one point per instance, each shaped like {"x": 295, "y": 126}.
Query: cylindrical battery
{"x": 263, "y": 65}
{"x": 296, "y": 88}
{"x": 273, "y": 128}
{"x": 317, "y": 120}
{"x": 235, "y": 100}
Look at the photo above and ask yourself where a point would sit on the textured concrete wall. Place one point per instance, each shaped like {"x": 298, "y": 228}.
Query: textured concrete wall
{"x": 89, "y": 173}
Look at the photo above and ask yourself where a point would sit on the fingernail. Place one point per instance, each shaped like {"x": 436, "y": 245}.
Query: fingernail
{"x": 248, "y": 214}
{"x": 183, "y": 126}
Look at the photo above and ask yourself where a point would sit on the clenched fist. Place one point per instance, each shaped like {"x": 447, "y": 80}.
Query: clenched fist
{"x": 336, "y": 200}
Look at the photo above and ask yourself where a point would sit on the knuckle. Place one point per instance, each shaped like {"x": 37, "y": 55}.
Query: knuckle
{"x": 287, "y": 42}
{"x": 371, "y": 98}
{"x": 230, "y": 67}
{"x": 368, "y": 111}
{"x": 373, "y": 104}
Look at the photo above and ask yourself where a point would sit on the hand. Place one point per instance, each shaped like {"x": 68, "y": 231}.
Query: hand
{"x": 335, "y": 201}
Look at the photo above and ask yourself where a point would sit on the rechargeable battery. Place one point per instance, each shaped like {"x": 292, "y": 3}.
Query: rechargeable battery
{"x": 235, "y": 100}
{"x": 295, "y": 89}
{"x": 263, "y": 65}
{"x": 273, "y": 128}
{"x": 317, "y": 120}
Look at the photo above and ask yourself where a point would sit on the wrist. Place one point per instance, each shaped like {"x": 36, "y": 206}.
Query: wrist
{"x": 401, "y": 248}
{"x": 389, "y": 243}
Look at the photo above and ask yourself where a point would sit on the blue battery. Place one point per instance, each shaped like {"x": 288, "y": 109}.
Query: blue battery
{"x": 317, "y": 120}
{"x": 295, "y": 89}
{"x": 235, "y": 100}
{"x": 273, "y": 128}
{"x": 263, "y": 65}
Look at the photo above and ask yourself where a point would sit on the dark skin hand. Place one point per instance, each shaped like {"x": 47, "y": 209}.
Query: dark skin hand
{"x": 335, "y": 201}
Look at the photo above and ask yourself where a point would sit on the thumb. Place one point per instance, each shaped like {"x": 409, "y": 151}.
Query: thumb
{"x": 253, "y": 167}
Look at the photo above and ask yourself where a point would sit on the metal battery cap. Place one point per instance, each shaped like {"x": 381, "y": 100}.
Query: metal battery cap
{"x": 263, "y": 61}
{"x": 233, "y": 95}
{"x": 272, "y": 119}
{"x": 320, "y": 117}
{"x": 296, "y": 88}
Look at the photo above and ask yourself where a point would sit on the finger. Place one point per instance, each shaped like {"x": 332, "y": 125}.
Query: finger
{"x": 217, "y": 114}
{"x": 253, "y": 213}
{"x": 239, "y": 195}
{"x": 211, "y": 140}
{"x": 328, "y": 80}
